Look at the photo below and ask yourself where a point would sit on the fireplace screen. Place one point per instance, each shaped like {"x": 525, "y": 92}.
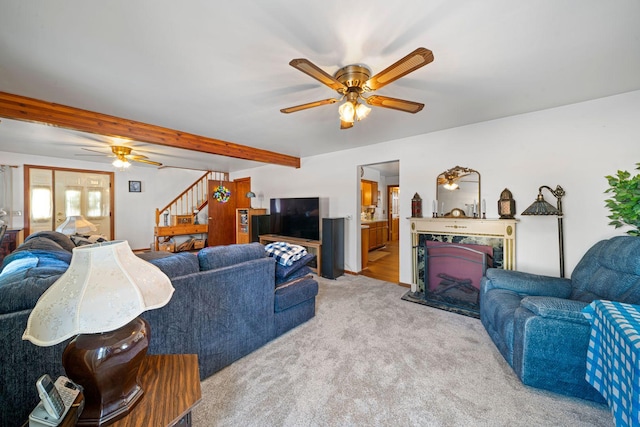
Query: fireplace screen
{"x": 452, "y": 274}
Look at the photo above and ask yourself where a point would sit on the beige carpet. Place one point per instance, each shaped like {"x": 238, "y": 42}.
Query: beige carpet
{"x": 376, "y": 255}
{"x": 369, "y": 358}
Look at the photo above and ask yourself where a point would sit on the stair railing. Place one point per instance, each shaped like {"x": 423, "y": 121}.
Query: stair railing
{"x": 194, "y": 197}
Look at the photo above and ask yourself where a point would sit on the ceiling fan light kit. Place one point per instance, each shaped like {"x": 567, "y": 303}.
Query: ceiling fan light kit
{"x": 353, "y": 80}
{"x": 123, "y": 157}
{"x": 121, "y": 164}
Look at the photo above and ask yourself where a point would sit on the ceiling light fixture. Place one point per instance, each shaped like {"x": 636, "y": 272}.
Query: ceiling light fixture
{"x": 121, "y": 161}
{"x": 121, "y": 164}
{"x": 352, "y": 110}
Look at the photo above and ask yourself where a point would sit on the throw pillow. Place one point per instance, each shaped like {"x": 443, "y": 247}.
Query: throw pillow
{"x": 282, "y": 271}
{"x": 302, "y": 272}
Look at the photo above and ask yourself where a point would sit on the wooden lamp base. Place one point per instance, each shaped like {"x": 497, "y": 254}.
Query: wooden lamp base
{"x": 106, "y": 366}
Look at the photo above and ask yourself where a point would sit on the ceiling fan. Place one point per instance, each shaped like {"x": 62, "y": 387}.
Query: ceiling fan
{"x": 352, "y": 81}
{"x": 123, "y": 156}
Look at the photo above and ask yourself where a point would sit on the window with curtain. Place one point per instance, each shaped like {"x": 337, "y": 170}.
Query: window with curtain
{"x": 94, "y": 203}
{"x": 41, "y": 203}
{"x": 73, "y": 201}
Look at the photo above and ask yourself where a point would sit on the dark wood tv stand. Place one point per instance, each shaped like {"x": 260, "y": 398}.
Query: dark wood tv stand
{"x": 313, "y": 246}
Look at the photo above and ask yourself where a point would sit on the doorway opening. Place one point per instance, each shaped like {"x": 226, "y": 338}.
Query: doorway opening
{"x": 379, "y": 220}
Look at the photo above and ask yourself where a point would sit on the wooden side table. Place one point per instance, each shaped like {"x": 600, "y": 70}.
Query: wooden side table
{"x": 171, "y": 385}
{"x": 12, "y": 239}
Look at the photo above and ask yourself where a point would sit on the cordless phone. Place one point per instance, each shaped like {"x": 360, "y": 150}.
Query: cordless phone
{"x": 56, "y": 399}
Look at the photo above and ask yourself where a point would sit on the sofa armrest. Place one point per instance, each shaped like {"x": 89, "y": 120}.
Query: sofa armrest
{"x": 526, "y": 283}
{"x": 556, "y": 308}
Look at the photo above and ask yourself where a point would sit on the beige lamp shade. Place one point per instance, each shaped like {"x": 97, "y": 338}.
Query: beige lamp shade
{"x": 75, "y": 224}
{"x": 105, "y": 287}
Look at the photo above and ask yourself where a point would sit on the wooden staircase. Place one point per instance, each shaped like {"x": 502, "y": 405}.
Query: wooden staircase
{"x": 177, "y": 217}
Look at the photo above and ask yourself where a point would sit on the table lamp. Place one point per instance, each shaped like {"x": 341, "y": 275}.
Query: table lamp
{"x": 98, "y": 300}
{"x": 75, "y": 224}
{"x": 250, "y": 195}
{"x": 541, "y": 207}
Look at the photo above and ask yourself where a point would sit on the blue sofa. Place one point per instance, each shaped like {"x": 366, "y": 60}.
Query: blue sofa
{"x": 228, "y": 301}
{"x": 536, "y": 321}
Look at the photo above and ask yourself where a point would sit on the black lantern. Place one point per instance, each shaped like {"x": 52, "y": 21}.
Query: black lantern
{"x": 506, "y": 205}
{"x": 416, "y": 206}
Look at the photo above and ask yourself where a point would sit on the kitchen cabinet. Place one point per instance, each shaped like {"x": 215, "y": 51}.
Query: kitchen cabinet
{"x": 378, "y": 234}
{"x": 369, "y": 192}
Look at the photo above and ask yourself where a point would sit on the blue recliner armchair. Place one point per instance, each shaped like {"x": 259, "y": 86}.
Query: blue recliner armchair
{"x": 536, "y": 321}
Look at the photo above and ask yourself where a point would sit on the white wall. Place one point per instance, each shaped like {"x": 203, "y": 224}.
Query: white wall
{"x": 134, "y": 212}
{"x": 573, "y": 146}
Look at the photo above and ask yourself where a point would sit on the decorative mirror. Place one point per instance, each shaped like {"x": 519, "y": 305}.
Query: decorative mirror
{"x": 458, "y": 193}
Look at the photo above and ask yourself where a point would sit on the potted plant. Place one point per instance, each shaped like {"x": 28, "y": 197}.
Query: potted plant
{"x": 624, "y": 203}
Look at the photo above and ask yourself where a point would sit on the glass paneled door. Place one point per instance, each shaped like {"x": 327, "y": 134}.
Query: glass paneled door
{"x": 55, "y": 194}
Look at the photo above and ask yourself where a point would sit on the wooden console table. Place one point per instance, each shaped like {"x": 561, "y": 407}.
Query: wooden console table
{"x": 312, "y": 246}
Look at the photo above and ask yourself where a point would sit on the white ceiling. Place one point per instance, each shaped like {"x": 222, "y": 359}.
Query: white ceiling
{"x": 220, "y": 69}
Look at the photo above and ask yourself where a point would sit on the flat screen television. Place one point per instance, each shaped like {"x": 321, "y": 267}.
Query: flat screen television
{"x": 296, "y": 217}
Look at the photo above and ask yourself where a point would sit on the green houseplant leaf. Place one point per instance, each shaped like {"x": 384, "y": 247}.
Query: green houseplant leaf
{"x": 624, "y": 203}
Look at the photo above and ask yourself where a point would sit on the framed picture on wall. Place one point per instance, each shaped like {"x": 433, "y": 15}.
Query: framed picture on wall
{"x": 135, "y": 186}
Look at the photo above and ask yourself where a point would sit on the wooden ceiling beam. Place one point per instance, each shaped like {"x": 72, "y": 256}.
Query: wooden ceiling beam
{"x": 18, "y": 107}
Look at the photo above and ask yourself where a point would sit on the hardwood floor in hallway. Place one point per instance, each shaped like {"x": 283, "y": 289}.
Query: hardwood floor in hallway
{"x": 386, "y": 268}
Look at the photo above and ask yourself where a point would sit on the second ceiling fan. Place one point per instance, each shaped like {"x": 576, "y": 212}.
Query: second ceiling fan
{"x": 123, "y": 156}
{"x": 352, "y": 81}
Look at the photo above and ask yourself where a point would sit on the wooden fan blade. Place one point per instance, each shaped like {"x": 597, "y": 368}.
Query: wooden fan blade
{"x": 93, "y": 151}
{"x": 181, "y": 167}
{"x": 309, "y": 105}
{"x": 143, "y": 160}
{"x": 394, "y": 103}
{"x": 416, "y": 59}
{"x": 345, "y": 125}
{"x": 317, "y": 73}
{"x": 135, "y": 157}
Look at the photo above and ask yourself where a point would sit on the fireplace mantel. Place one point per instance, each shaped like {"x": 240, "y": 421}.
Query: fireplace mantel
{"x": 504, "y": 229}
